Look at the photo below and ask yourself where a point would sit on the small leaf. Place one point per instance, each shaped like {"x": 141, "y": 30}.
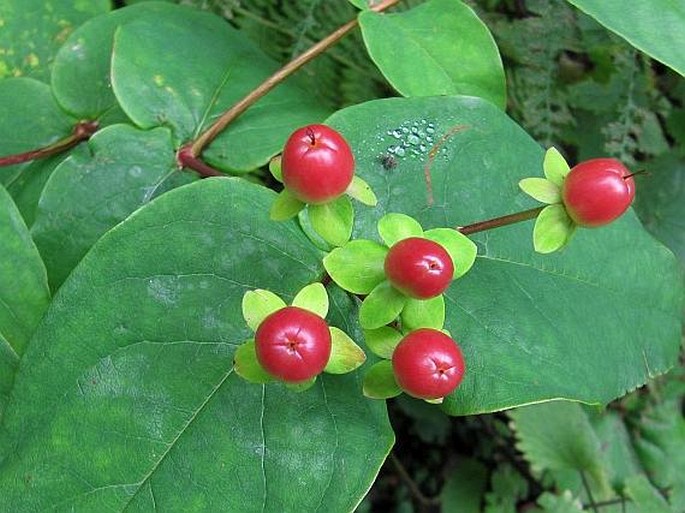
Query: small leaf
{"x": 302, "y": 385}
{"x": 285, "y": 206}
{"x": 362, "y": 192}
{"x": 395, "y": 227}
{"x": 553, "y": 229}
{"x": 333, "y": 221}
{"x": 275, "y": 168}
{"x": 462, "y": 249}
{"x": 439, "y": 400}
{"x": 345, "y": 354}
{"x": 541, "y": 189}
{"x": 308, "y": 229}
{"x": 646, "y": 498}
{"x": 429, "y": 313}
{"x": 357, "y": 267}
{"x": 247, "y": 366}
{"x": 258, "y": 305}
{"x": 555, "y": 166}
{"x": 313, "y": 298}
{"x": 382, "y": 341}
{"x": 381, "y": 306}
{"x": 379, "y": 382}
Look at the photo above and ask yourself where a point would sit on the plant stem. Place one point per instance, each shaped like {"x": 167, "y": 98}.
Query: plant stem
{"x": 185, "y": 158}
{"x": 231, "y": 114}
{"x": 586, "y": 485}
{"x": 82, "y": 131}
{"x": 413, "y": 487}
{"x": 490, "y": 224}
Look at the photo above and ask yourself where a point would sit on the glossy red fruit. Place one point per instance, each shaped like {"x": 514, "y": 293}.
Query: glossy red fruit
{"x": 597, "y": 191}
{"x": 428, "y": 364}
{"x": 419, "y": 268}
{"x": 317, "y": 164}
{"x": 293, "y": 344}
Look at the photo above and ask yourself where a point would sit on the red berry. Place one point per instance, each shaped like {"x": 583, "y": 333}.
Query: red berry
{"x": 597, "y": 191}
{"x": 428, "y": 364}
{"x": 293, "y": 344}
{"x": 419, "y": 268}
{"x": 317, "y": 164}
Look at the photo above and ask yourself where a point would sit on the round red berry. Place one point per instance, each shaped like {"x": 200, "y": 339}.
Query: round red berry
{"x": 428, "y": 364}
{"x": 597, "y": 191}
{"x": 293, "y": 344}
{"x": 419, "y": 268}
{"x": 317, "y": 164}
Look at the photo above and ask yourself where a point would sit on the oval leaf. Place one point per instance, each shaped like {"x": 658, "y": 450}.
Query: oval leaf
{"x": 358, "y": 266}
{"x": 394, "y": 227}
{"x": 555, "y": 166}
{"x": 314, "y": 298}
{"x": 285, "y": 206}
{"x": 461, "y": 249}
{"x": 553, "y": 229}
{"x": 333, "y": 220}
{"x": 439, "y": 47}
{"x": 258, "y": 304}
{"x": 248, "y": 367}
{"x": 381, "y": 306}
{"x": 428, "y": 313}
{"x": 345, "y": 354}
{"x": 541, "y": 189}
{"x": 382, "y": 341}
{"x": 361, "y": 191}
{"x": 379, "y": 381}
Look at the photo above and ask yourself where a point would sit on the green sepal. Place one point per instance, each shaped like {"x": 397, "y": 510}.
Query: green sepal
{"x": 462, "y": 249}
{"x": 357, "y": 267}
{"x": 381, "y": 306}
{"x": 258, "y": 305}
{"x": 379, "y": 381}
{"x": 541, "y": 189}
{"x": 333, "y": 220}
{"x": 345, "y": 354}
{"x": 553, "y": 229}
{"x": 302, "y": 385}
{"x": 427, "y": 313}
{"x": 314, "y": 298}
{"x": 362, "y": 192}
{"x": 382, "y": 341}
{"x": 439, "y": 400}
{"x": 394, "y": 227}
{"x": 275, "y": 168}
{"x": 308, "y": 229}
{"x": 555, "y": 166}
{"x": 246, "y": 365}
{"x": 285, "y": 206}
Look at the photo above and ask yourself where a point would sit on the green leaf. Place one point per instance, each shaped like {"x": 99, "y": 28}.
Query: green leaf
{"x": 464, "y": 487}
{"x": 541, "y": 189}
{"x": 98, "y": 186}
{"x": 301, "y": 386}
{"x": 382, "y": 341}
{"x": 379, "y": 381}
{"x": 193, "y": 67}
{"x": 361, "y": 191}
{"x": 285, "y": 206}
{"x": 33, "y": 30}
{"x": 428, "y": 313}
{"x": 130, "y": 375}
{"x": 258, "y": 304}
{"x": 521, "y": 340}
{"x": 657, "y": 27}
{"x": 29, "y": 119}
{"x": 81, "y": 80}
{"x": 553, "y": 229}
{"x": 381, "y": 306}
{"x": 394, "y": 227}
{"x": 333, "y": 220}
{"x": 507, "y": 488}
{"x": 275, "y": 168}
{"x": 314, "y": 298}
{"x": 439, "y": 47}
{"x": 9, "y": 360}
{"x": 346, "y": 356}
{"x": 24, "y": 293}
{"x": 357, "y": 266}
{"x": 555, "y": 166}
{"x": 647, "y": 499}
{"x": 559, "y": 503}
{"x": 617, "y": 452}
{"x": 558, "y": 436}
{"x": 360, "y": 4}
{"x": 461, "y": 249}
{"x": 247, "y": 366}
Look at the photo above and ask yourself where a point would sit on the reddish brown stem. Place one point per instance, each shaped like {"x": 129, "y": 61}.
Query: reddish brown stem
{"x": 185, "y": 158}
{"x": 500, "y": 221}
{"x": 82, "y": 130}
{"x": 231, "y": 114}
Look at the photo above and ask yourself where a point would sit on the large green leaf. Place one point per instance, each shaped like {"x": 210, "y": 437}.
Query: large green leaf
{"x": 588, "y": 323}
{"x": 98, "y": 186}
{"x": 657, "y": 27}
{"x": 24, "y": 293}
{"x": 439, "y": 47}
{"x": 81, "y": 73}
{"x": 192, "y": 67}
{"x": 126, "y": 399}
{"x": 33, "y": 30}
{"x": 29, "y": 119}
